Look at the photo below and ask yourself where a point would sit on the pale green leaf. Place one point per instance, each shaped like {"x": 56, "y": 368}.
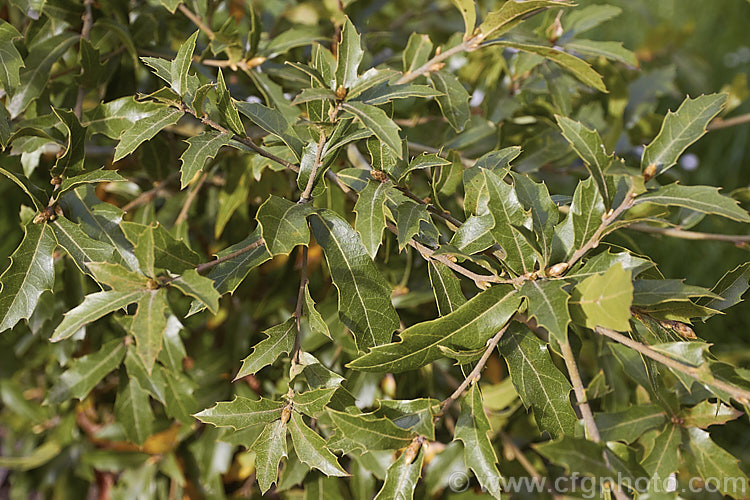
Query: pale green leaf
{"x": 512, "y": 13}
{"x": 269, "y": 448}
{"x": 82, "y": 249}
{"x": 604, "y": 300}
{"x": 181, "y": 65}
{"x": 370, "y": 433}
{"x": 199, "y": 287}
{"x": 148, "y": 325}
{"x": 402, "y": 477}
{"x": 133, "y": 410}
{"x": 590, "y": 148}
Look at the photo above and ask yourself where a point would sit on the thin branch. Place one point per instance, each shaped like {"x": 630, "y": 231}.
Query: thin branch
{"x": 741, "y": 395}
{"x": 197, "y": 20}
{"x": 88, "y": 21}
{"x": 592, "y": 431}
{"x": 216, "y": 262}
{"x": 435, "y": 63}
{"x": 307, "y": 193}
{"x": 149, "y": 195}
{"x": 474, "y": 375}
{"x": 430, "y": 207}
{"x": 608, "y": 219}
{"x": 690, "y": 235}
{"x": 183, "y": 215}
{"x": 575, "y": 378}
{"x": 729, "y": 122}
{"x": 247, "y": 141}
{"x": 298, "y": 310}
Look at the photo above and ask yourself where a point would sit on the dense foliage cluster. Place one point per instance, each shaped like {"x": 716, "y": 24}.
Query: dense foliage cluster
{"x": 359, "y": 249}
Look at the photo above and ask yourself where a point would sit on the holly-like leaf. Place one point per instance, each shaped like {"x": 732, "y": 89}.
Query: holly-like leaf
{"x": 199, "y": 287}
{"x": 35, "y": 75}
{"x": 93, "y": 177}
{"x": 283, "y": 224}
{"x": 731, "y": 287}
{"x": 454, "y": 101}
{"x": 82, "y": 249}
{"x": 512, "y": 13}
{"x": 370, "y": 433}
{"x": 145, "y": 129}
{"x": 242, "y": 412}
{"x": 313, "y": 402}
{"x": 469, "y": 12}
{"x": 647, "y": 292}
{"x": 280, "y": 340}
{"x": 680, "y": 129}
{"x": 71, "y": 162}
{"x": 117, "y": 277}
{"x": 364, "y": 296}
{"x": 370, "y": 210}
{"x": 507, "y": 211}
{"x": 201, "y": 148}
{"x": 663, "y": 459}
{"x": 133, "y": 410}
{"x": 10, "y": 60}
{"x": 705, "y": 414}
{"x": 577, "y": 67}
{"x": 578, "y": 456}
{"x": 349, "y": 56}
{"x": 148, "y": 325}
{"x": 86, "y": 371}
{"x": 274, "y": 122}
{"x": 473, "y": 429}
{"x": 417, "y": 52}
{"x": 402, "y": 476}
{"x": 548, "y": 304}
{"x": 269, "y": 449}
{"x": 227, "y": 108}
{"x": 628, "y": 425}
{"x": 538, "y": 382}
{"x": 377, "y": 121}
{"x": 446, "y": 287}
{"x": 468, "y": 327}
{"x": 590, "y": 148}
{"x": 181, "y": 65}
{"x": 408, "y": 219}
{"x": 311, "y": 448}
{"x": 311, "y": 317}
{"x": 604, "y": 300}
{"x": 705, "y": 199}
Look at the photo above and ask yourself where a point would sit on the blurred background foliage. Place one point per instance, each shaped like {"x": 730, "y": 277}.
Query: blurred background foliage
{"x": 683, "y": 47}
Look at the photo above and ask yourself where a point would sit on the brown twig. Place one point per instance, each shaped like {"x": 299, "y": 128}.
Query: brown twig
{"x": 435, "y": 63}
{"x": 608, "y": 219}
{"x": 88, "y": 21}
{"x": 700, "y": 375}
{"x": 674, "y": 232}
{"x": 729, "y": 122}
{"x": 208, "y": 265}
{"x": 149, "y": 195}
{"x": 183, "y": 215}
{"x": 247, "y": 141}
{"x": 306, "y": 195}
{"x": 298, "y": 310}
{"x": 474, "y": 375}
{"x": 592, "y": 430}
{"x": 197, "y": 20}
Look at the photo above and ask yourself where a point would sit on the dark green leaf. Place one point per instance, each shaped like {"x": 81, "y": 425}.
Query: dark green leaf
{"x": 349, "y": 56}
{"x": 705, "y": 199}
{"x": 454, "y": 103}
{"x": 280, "y": 340}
